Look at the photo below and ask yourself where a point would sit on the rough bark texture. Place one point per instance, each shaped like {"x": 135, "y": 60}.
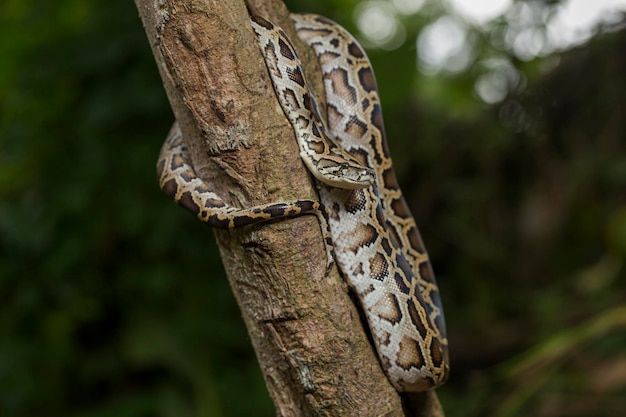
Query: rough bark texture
{"x": 305, "y": 330}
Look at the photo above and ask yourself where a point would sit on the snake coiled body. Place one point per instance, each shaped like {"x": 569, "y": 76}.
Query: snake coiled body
{"x": 373, "y": 235}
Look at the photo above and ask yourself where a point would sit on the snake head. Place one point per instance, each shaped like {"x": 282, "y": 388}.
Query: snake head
{"x": 344, "y": 174}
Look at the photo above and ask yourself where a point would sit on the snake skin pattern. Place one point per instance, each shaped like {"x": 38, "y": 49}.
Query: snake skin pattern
{"x": 377, "y": 244}
{"x": 373, "y": 235}
{"x": 178, "y": 180}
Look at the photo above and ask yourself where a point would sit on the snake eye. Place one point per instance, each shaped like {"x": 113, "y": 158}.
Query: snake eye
{"x": 344, "y": 165}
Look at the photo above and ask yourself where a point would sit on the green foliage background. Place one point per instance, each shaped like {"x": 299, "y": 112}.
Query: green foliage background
{"x": 115, "y": 302}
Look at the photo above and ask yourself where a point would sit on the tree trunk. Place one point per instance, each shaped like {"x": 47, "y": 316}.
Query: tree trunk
{"x": 306, "y": 332}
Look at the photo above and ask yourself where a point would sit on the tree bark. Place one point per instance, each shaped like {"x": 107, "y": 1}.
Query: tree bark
{"x": 306, "y": 332}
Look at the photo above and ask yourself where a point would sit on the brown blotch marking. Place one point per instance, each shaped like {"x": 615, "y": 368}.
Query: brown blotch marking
{"x": 262, "y": 22}
{"x": 436, "y": 353}
{"x": 356, "y": 201}
{"x": 417, "y": 319}
{"x": 388, "y": 309}
{"x": 306, "y": 100}
{"x": 426, "y": 272}
{"x": 316, "y": 146}
{"x": 187, "y": 201}
{"x": 240, "y": 221}
{"x": 296, "y": 76}
{"x": 400, "y": 208}
{"x": 334, "y": 42}
{"x": 275, "y": 210}
{"x": 366, "y": 235}
{"x": 341, "y": 85}
{"x": 356, "y": 127}
{"x": 379, "y": 267}
{"x": 406, "y": 268}
{"x": 416, "y": 240}
{"x": 218, "y": 222}
{"x": 409, "y": 354}
{"x": 170, "y": 188}
{"x": 366, "y": 76}
{"x": 306, "y": 206}
{"x": 285, "y": 49}
{"x": 389, "y": 179}
{"x": 355, "y": 50}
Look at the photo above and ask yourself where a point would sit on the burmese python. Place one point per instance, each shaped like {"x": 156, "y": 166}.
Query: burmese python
{"x": 374, "y": 237}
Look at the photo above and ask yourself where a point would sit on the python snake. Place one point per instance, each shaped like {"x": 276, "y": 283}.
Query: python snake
{"x": 366, "y": 222}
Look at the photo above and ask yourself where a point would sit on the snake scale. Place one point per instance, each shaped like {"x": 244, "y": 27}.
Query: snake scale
{"x": 367, "y": 224}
